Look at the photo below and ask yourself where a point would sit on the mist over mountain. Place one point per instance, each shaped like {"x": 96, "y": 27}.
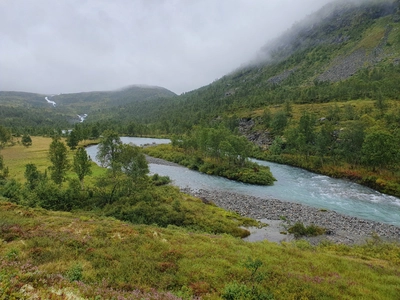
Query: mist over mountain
{"x": 339, "y": 45}
{"x": 328, "y": 26}
{"x": 79, "y": 46}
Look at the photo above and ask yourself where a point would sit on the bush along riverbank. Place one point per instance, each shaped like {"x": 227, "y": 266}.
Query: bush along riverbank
{"x": 215, "y": 151}
{"x": 363, "y": 148}
{"x": 248, "y": 173}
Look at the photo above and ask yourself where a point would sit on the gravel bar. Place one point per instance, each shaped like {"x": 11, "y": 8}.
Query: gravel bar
{"x": 340, "y": 228}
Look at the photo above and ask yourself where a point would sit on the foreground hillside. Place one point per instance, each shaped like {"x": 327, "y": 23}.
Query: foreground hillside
{"x": 62, "y": 255}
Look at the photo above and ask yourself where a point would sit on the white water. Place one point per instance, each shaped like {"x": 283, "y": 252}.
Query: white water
{"x": 293, "y": 185}
{"x": 82, "y": 117}
{"x": 50, "y": 101}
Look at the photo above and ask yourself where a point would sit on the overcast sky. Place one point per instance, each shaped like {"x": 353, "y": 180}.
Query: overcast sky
{"x": 64, "y": 46}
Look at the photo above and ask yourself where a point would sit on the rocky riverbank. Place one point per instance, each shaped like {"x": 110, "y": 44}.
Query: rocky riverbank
{"x": 340, "y": 228}
{"x": 159, "y": 161}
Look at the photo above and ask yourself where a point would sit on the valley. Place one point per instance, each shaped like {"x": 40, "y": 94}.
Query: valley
{"x": 140, "y": 193}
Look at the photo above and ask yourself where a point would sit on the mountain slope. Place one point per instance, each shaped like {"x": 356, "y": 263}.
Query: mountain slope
{"x": 19, "y": 109}
{"x": 345, "y": 51}
{"x": 325, "y": 97}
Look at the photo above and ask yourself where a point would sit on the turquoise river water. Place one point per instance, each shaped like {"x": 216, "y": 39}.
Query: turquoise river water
{"x": 293, "y": 184}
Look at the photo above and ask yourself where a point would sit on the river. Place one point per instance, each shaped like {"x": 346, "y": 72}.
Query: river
{"x": 293, "y": 185}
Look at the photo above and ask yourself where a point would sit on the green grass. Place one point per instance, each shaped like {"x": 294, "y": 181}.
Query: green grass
{"x": 46, "y": 251}
{"x": 16, "y": 157}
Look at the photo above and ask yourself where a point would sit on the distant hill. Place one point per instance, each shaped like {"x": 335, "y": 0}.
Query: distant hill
{"x": 24, "y": 99}
{"x": 21, "y": 109}
{"x": 126, "y": 95}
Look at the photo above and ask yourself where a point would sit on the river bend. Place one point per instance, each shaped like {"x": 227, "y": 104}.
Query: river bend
{"x": 292, "y": 185}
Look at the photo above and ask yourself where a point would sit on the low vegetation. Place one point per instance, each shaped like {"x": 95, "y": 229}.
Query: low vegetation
{"x": 299, "y": 230}
{"x": 48, "y": 254}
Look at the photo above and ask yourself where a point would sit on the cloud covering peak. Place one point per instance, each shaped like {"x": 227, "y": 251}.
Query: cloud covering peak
{"x": 73, "y": 45}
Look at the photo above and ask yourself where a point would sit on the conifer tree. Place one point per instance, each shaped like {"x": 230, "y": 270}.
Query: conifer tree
{"x": 26, "y": 140}
{"x": 82, "y": 165}
{"x": 58, "y": 157}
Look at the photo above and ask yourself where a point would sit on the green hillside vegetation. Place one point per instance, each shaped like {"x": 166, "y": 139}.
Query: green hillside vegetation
{"x": 127, "y": 235}
{"x": 17, "y": 99}
{"x": 362, "y": 38}
{"x": 55, "y": 255}
{"x": 30, "y": 113}
{"x": 95, "y": 101}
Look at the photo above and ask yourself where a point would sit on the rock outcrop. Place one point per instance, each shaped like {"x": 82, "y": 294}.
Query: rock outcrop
{"x": 260, "y": 138}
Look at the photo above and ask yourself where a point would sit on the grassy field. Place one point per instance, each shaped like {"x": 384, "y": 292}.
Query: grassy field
{"x": 16, "y": 157}
{"x": 57, "y": 255}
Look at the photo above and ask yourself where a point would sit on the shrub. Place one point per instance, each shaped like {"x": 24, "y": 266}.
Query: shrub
{"x": 300, "y": 230}
{"x": 75, "y": 273}
{"x": 12, "y": 191}
{"x": 160, "y": 180}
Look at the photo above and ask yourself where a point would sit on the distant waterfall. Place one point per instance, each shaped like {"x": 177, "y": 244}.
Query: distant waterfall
{"x": 49, "y": 101}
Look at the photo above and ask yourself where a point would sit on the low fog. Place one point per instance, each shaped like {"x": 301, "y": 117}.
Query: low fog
{"x": 69, "y": 46}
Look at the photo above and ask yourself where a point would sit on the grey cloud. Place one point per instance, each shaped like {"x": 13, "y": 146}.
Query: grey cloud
{"x": 73, "y": 45}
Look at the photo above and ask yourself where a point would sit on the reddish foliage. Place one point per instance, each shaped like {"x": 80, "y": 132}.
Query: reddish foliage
{"x": 167, "y": 266}
{"x": 200, "y": 288}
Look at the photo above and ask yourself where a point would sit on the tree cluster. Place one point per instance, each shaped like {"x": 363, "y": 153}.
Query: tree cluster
{"x": 362, "y": 143}
{"x": 217, "y": 143}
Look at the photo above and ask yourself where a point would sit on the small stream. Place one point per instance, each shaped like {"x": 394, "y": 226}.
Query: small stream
{"x": 293, "y": 185}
